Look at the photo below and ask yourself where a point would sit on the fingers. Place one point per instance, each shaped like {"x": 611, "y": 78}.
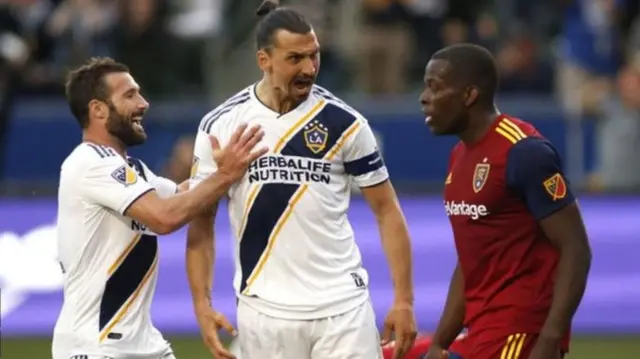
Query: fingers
{"x": 225, "y": 324}
{"x": 386, "y": 334}
{"x": 217, "y": 349}
{"x": 399, "y": 350}
{"x": 235, "y": 137}
{"x": 253, "y": 140}
{"x": 253, "y": 132}
{"x": 257, "y": 154}
{"x": 215, "y": 144}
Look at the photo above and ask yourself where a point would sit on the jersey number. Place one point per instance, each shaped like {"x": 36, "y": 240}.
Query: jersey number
{"x": 358, "y": 280}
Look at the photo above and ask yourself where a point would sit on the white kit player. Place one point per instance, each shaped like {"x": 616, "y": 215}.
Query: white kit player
{"x": 110, "y": 208}
{"x": 299, "y": 279}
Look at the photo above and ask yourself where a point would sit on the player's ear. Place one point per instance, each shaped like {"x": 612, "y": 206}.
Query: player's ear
{"x": 264, "y": 60}
{"x": 99, "y": 109}
{"x": 471, "y": 96}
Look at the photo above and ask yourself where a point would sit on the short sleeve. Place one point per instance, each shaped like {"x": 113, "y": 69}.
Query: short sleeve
{"x": 362, "y": 157}
{"x": 203, "y": 164}
{"x": 534, "y": 172}
{"x": 164, "y": 186}
{"x": 112, "y": 183}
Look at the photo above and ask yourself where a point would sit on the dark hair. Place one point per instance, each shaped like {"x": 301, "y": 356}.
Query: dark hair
{"x": 275, "y": 18}
{"x": 473, "y": 65}
{"x": 86, "y": 83}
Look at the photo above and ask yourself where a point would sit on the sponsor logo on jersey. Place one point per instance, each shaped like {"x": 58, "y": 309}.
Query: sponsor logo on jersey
{"x": 125, "y": 175}
{"x": 289, "y": 169}
{"x": 480, "y": 176}
{"x": 315, "y": 136}
{"x": 556, "y": 187}
{"x": 473, "y": 211}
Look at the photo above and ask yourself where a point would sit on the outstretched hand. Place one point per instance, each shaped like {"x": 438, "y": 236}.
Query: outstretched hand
{"x": 234, "y": 158}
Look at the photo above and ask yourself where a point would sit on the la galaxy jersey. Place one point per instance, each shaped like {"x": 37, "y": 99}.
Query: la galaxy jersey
{"x": 496, "y": 191}
{"x": 296, "y": 255}
{"x": 109, "y": 261}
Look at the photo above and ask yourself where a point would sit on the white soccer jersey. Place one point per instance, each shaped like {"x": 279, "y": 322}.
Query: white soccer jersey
{"x": 109, "y": 261}
{"x": 296, "y": 257}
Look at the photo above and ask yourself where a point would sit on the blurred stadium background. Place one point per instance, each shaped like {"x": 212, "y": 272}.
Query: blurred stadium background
{"x": 572, "y": 67}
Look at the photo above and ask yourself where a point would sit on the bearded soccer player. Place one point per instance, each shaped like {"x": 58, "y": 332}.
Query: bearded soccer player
{"x": 111, "y": 208}
{"x": 523, "y": 252}
{"x": 302, "y": 289}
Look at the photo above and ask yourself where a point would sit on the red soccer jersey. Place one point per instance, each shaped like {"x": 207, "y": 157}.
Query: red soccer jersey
{"x": 495, "y": 192}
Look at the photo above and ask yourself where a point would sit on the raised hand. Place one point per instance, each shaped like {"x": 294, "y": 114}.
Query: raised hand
{"x": 234, "y": 159}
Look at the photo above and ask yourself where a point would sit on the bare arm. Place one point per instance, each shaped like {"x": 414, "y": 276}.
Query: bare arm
{"x": 200, "y": 256}
{"x": 452, "y": 319}
{"x": 165, "y": 215}
{"x": 566, "y": 231}
{"x": 395, "y": 238}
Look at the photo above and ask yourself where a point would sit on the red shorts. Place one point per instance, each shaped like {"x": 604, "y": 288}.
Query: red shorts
{"x": 515, "y": 346}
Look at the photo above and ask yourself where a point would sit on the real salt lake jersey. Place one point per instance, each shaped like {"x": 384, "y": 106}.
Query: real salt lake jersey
{"x": 109, "y": 261}
{"x": 296, "y": 257}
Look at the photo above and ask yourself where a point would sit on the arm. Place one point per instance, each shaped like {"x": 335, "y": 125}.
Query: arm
{"x": 200, "y": 252}
{"x": 452, "y": 319}
{"x": 111, "y": 182}
{"x": 534, "y": 171}
{"x": 395, "y": 238}
{"x": 364, "y": 162}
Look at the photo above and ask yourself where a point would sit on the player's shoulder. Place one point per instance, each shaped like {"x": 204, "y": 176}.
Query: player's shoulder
{"x": 513, "y": 129}
{"x": 226, "y": 111}
{"x": 335, "y": 109}
{"x": 87, "y": 153}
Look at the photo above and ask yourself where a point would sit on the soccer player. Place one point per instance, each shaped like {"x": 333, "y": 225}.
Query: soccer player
{"x": 300, "y": 282}
{"x": 110, "y": 208}
{"x": 523, "y": 252}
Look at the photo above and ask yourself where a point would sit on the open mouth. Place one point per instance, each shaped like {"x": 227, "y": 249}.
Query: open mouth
{"x": 303, "y": 84}
{"x": 136, "y": 121}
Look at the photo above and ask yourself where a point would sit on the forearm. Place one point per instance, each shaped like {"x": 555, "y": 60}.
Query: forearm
{"x": 200, "y": 256}
{"x": 570, "y": 284}
{"x": 452, "y": 319}
{"x": 183, "y": 207}
{"x": 397, "y": 247}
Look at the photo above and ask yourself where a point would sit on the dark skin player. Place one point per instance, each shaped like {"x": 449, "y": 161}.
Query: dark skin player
{"x": 460, "y": 101}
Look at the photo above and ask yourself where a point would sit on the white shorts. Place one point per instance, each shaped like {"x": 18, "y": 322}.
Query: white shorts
{"x": 351, "y": 335}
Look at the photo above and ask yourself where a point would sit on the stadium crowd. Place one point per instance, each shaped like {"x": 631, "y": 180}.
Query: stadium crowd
{"x": 584, "y": 52}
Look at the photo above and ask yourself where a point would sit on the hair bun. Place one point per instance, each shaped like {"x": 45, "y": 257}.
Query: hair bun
{"x": 266, "y": 7}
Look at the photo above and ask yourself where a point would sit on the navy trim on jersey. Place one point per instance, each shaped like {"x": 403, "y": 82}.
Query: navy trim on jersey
{"x": 534, "y": 173}
{"x": 227, "y": 106}
{"x": 102, "y": 151}
{"x": 364, "y": 165}
{"x": 326, "y": 128}
{"x": 125, "y": 280}
{"x": 138, "y": 166}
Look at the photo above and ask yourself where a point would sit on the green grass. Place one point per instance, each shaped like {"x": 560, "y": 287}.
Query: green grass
{"x": 192, "y": 348}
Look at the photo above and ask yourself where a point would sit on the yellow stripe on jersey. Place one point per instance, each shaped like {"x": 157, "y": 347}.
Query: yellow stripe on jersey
{"x": 510, "y": 131}
{"x": 348, "y": 133}
{"x": 513, "y": 346}
{"x": 125, "y": 308}
{"x": 277, "y": 149}
{"x": 124, "y": 254}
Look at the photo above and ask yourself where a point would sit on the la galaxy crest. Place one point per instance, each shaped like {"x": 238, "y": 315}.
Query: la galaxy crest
{"x": 316, "y": 136}
{"x": 480, "y": 176}
{"x": 125, "y": 175}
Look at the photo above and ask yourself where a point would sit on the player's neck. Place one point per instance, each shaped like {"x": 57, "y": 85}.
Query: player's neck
{"x": 479, "y": 124}
{"x": 274, "y": 98}
{"x": 105, "y": 140}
